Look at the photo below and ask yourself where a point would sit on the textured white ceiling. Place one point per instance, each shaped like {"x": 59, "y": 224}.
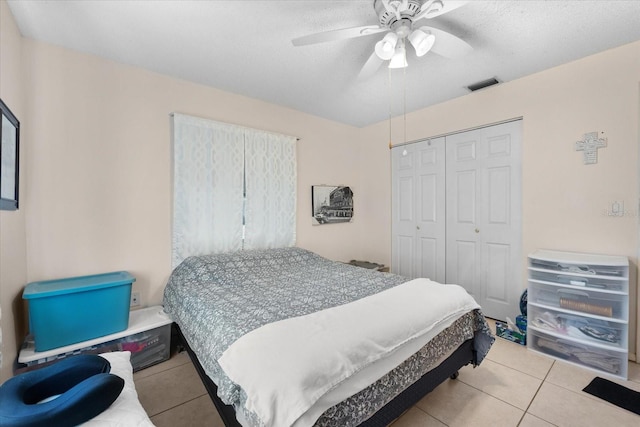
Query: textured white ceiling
{"x": 245, "y": 46}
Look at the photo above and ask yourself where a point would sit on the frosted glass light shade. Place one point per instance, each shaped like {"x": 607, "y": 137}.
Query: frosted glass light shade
{"x": 399, "y": 59}
{"x": 386, "y": 47}
{"x": 421, "y": 41}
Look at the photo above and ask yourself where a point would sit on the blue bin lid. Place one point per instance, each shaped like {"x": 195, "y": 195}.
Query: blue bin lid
{"x": 50, "y": 288}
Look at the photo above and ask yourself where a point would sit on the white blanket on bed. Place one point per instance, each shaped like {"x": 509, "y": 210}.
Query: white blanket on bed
{"x": 285, "y": 367}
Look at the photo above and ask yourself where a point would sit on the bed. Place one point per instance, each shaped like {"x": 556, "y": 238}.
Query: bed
{"x": 286, "y": 337}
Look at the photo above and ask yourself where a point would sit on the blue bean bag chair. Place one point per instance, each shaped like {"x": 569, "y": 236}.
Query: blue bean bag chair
{"x": 66, "y": 393}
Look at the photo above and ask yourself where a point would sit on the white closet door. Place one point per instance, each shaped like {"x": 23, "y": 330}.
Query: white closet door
{"x": 403, "y": 247}
{"x": 431, "y": 210}
{"x": 484, "y": 219}
{"x": 419, "y": 210}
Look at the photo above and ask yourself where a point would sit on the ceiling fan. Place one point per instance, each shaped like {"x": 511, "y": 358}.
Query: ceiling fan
{"x": 399, "y": 19}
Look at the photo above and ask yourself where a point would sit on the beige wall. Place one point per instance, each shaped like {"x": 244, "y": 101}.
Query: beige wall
{"x": 563, "y": 200}
{"x": 99, "y": 165}
{"x": 98, "y": 170}
{"x": 13, "y": 256}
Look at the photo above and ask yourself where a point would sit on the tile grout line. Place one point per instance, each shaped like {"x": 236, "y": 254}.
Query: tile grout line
{"x": 483, "y": 392}
{"x": 153, "y": 375}
{"x": 159, "y": 372}
{"x": 526, "y": 411}
{"x": 415, "y": 405}
{"x": 176, "y": 406}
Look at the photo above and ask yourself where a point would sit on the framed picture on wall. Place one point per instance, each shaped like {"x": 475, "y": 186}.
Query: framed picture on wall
{"x": 9, "y": 158}
{"x": 331, "y": 204}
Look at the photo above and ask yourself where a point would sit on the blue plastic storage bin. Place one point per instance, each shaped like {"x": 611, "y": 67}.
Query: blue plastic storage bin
{"x": 75, "y": 309}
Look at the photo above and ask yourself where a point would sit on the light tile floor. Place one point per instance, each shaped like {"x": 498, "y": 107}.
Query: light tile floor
{"x": 512, "y": 387}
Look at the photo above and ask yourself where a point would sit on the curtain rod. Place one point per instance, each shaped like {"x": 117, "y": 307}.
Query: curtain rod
{"x": 234, "y": 124}
{"x": 514, "y": 119}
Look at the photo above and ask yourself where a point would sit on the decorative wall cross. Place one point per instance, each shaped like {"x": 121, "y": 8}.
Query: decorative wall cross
{"x": 589, "y": 146}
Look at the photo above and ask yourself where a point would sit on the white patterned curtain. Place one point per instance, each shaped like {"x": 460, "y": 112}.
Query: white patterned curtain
{"x": 226, "y": 177}
{"x": 207, "y": 187}
{"x": 270, "y": 176}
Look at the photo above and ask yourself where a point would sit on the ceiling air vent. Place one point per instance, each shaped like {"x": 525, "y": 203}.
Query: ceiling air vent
{"x": 484, "y": 83}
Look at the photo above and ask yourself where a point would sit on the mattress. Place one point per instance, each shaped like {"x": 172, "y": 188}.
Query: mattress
{"x": 218, "y": 299}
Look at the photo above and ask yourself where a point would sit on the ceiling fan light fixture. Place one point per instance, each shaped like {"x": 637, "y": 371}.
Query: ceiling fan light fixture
{"x": 421, "y": 41}
{"x": 399, "y": 58}
{"x": 386, "y": 47}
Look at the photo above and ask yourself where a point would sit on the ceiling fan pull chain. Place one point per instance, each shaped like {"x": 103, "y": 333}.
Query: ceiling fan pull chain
{"x": 390, "y": 104}
{"x": 404, "y": 101}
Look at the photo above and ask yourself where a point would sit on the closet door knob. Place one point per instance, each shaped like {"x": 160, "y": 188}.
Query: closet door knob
{"x": 477, "y": 230}
{"x": 417, "y": 227}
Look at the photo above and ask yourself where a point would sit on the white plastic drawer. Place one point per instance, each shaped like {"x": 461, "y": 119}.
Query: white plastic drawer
{"x": 584, "y": 281}
{"x": 583, "y": 301}
{"x": 611, "y": 361}
{"x": 587, "y": 330}
{"x": 578, "y": 268}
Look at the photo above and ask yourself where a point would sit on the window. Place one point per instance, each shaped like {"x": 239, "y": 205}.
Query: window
{"x": 233, "y": 188}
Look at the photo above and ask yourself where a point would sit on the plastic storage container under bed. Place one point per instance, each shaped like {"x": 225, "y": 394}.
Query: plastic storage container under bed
{"x": 71, "y": 310}
{"x": 148, "y": 338}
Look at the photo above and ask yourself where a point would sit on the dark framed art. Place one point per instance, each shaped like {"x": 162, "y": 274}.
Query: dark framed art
{"x": 331, "y": 204}
{"x": 9, "y": 158}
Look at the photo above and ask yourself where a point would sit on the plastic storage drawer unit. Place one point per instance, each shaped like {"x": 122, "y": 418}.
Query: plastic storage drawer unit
{"x": 67, "y": 311}
{"x": 578, "y": 309}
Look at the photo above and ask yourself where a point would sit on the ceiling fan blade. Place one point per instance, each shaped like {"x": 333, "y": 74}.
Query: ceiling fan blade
{"x": 345, "y": 33}
{"x": 447, "y": 44}
{"x": 370, "y": 67}
{"x": 431, "y": 8}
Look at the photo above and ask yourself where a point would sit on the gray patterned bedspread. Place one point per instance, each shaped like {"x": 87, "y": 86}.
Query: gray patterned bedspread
{"x": 216, "y": 299}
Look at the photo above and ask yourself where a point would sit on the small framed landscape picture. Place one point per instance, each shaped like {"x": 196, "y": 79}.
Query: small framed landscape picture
{"x": 331, "y": 204}
{"x": 9, "y": 161}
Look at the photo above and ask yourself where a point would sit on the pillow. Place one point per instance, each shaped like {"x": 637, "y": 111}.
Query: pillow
{"x": 68, "y": 392}
{"x": 126, "y": 410}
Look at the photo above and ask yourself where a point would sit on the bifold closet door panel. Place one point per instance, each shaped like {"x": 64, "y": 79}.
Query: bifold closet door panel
{"x": 418, "y": 217}
{"x": 484, "y": 219}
